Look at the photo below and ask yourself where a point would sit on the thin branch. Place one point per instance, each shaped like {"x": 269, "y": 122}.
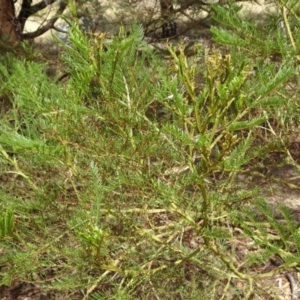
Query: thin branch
{"x": 49, "y": 25}
{"x": 27, "y": 10}
{"x": 294, "y": 286}
{"x": 41, "y": 5}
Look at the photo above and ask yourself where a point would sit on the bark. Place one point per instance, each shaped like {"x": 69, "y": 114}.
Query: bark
{"x": 8, "y": 26}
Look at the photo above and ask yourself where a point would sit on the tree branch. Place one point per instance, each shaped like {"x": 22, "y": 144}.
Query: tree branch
{"x": 27, "y": 10}
{"x": 50, "y": 24}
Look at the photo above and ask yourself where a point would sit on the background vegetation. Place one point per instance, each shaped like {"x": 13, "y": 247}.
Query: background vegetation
{"x": 135, "y": 175}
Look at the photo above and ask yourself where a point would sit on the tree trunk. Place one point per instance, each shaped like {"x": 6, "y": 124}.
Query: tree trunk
{"x": 8, "y": 28}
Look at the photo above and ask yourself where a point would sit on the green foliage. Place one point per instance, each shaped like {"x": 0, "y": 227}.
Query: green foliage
{"x": 125, "y": 180}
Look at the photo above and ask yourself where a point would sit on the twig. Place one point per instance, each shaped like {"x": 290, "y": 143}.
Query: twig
{"x": 294, "y": 286}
